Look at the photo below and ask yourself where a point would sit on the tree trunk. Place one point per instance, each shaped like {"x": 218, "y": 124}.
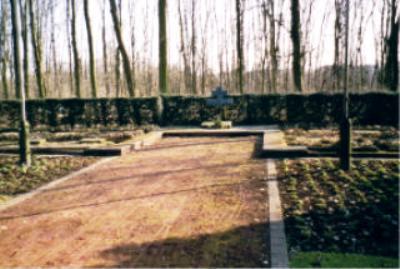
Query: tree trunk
{"x": 296, "y": 43}
{"x": 4, "y": 53}
{"x": 163, "y": 65}
{"x": 24, "y": 147}
{"x": 193, "y": 49}
{"x": 273, "y": 48}
{"x": 121, "y": 46}
{"x": 23, "y": 6}
{"x": 77, "y": 60}
{"x": 239, "y": 44}
{"x": 163, "y": 76}
{"x": 92, "y": 61}
{"x": 183, "y": 49}
{"x": 56, "y": 84}
{"x": 37, "y": 52}
{"x": 105, "y": 54}
{"x": 71, "y": 79}
{"x": 392, "y": 44}
{"x": 337, "y": 43}
{"x": 133, "y": 42}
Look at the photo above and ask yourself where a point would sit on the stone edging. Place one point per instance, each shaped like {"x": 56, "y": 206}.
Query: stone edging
{"x": 279, "y": 256}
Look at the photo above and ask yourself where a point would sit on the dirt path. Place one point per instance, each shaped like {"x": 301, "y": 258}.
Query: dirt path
{"x": 184, "y": 202}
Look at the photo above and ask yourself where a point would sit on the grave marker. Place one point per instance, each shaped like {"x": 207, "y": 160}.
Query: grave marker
{"x": 220, "y": 98}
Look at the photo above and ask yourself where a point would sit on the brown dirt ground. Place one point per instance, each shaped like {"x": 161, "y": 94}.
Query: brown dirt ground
{"x": 185, "y": 202}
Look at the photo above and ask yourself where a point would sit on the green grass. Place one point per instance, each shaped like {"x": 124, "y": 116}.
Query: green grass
{"x": 339, "y": 260}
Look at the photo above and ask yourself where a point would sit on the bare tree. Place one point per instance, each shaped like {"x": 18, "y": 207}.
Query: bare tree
{"x": 77, "y": 60}
{"x": 53, "y": 47}
{"x": 239, "y": 44}
{"x": 193, "y": 49}
{"x": 4, "y": 52}
{"x": 122, "y": 49}
{"x": 71, "y": 79}
{"x": 105, "y": 51}
{"x": 23, "y": 7}
{"x": 133, "y": 41}
{"x": 273, "y": 46}
{"x": 163, "y": 59}
{"x": 296, "y": 43}
{"x": 92, "y": 60}
{"x": 337, "y": 43}
{"x": 24, "y": 147}
{"x": 203, "y": 52}
{"x": 392, "y": 46}
{"x": 183, "y": 46}
{"x": 37, "y": 51}
{"x": 163, "y": 76}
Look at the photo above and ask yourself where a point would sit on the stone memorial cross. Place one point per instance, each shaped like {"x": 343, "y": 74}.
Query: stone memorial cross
{"x": 219, "y": 98}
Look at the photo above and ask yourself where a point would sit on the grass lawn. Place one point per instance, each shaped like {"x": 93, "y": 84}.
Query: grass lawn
{"x": 15, "y": 180}
{"x": 378, "y": 138}
{"x": 329, "y": 210}
{"x": 339, "y": 260}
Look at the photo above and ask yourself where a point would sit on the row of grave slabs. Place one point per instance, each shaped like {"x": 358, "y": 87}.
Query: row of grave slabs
{"x": 272, "y": 144}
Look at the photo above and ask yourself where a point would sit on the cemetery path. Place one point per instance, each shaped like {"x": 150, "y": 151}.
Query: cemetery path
{"x": 185, "y": 202}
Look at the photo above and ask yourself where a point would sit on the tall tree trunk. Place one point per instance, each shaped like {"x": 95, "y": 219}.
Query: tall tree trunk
{"x": 117, "y": 68}
{"x": 163, "y": 76}
{"x": 23, "y": 6}
{"x": 37, "y": 52}
{"x": 117, "y": 65}
{"x": 92, "y": 61}
{"x": 70, "y": 76}
{"x": 105, "y": 54}
{"x": 56, "y": 83}
{"x": 163, "y": 65}
{"x": 77, "y": 60}
{"x": 193, "y": 49}
{"x": 24, "y": 149}
{"x": 296, "y": 43}
{"x": 337, "y": 43}
{"x": 392, "y": 43}
{"x": 273, "y": 48}
{"x": 122, "y": 49}
{"x": 133, "y": 42}
{"x": 4, "y": 52}
{"x": 239, "y": 44}
{"x": 183, "y": 48}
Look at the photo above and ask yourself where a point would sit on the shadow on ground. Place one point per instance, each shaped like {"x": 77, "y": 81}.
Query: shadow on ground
{"x": 245, "y": 246}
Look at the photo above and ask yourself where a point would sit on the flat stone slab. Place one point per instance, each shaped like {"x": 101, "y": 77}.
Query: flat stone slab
{"x": 93, "y": 141}
{"x": 116, "y": 151}
{"x": 213, "y": 124}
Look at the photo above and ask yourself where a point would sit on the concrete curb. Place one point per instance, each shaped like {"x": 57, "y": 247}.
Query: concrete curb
{"x": 279, "y": 255}
{"x": 24, "y": 197}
